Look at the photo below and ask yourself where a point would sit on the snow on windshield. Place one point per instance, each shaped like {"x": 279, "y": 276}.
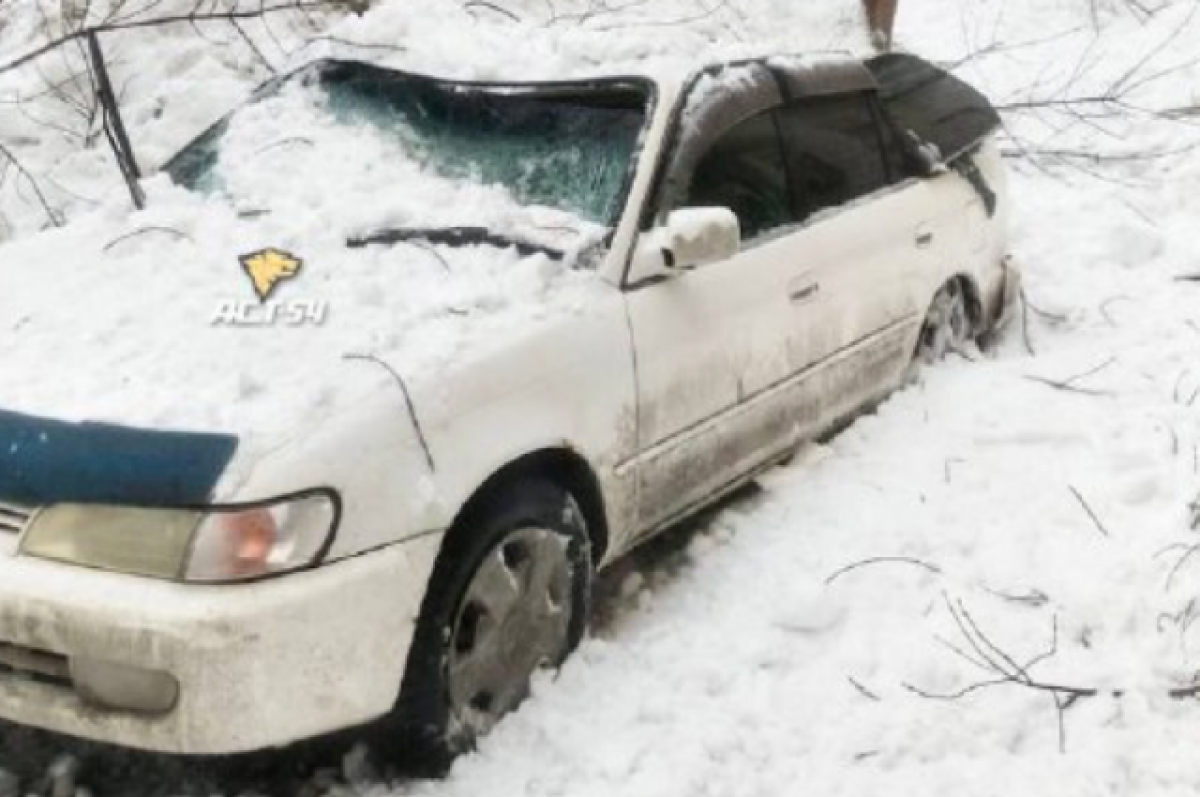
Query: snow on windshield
{"x": 402, "y": 151}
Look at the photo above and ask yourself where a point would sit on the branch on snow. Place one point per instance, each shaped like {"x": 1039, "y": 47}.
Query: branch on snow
{"x": 10, "y": 160}
{"x": 173, "y": 233}
{"x": 1090, "y": 512}
{"x": 1002, "y": 669}
{"x": 475, "y": 5}
{"x": 1069, "y": 384}
{"x": 999, "y": 668}
{"x": 608, "y": 13}
{"x": 878, "y": 560}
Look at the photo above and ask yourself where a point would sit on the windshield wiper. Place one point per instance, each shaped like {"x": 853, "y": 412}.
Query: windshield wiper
{"x": 455, "y": 237}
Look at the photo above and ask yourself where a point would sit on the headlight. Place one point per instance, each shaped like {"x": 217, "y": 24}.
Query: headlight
{"x": 259, "y": 541}
{"x": 217, "y": 545}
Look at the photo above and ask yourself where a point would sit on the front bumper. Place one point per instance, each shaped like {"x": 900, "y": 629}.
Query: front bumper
{"x": 258, "y": 665}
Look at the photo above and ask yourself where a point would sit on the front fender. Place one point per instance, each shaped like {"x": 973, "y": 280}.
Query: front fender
{"x": 565, "y": 382}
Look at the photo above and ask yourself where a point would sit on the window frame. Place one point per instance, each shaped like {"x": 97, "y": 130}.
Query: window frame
{"x": 892, "y": 156}
{"x": 673, "y": 137}
{"x": 771, "y": 114}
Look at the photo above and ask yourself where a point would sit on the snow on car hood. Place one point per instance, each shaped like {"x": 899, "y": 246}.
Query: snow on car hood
{"x": 120, "y": 321}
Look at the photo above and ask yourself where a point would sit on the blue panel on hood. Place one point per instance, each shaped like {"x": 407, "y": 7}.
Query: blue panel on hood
{"x": 44, "y": 461}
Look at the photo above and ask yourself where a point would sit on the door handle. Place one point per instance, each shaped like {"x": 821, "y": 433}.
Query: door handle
{"x": 800, "y": 292}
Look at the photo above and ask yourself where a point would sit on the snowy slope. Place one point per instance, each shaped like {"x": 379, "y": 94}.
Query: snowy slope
{"x": 785, "y": 649}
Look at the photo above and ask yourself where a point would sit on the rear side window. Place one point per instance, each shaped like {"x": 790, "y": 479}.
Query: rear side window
{"x": 936, "y": 106}
{"x": 744, "y": 171}
{"x": 834, "y": 147}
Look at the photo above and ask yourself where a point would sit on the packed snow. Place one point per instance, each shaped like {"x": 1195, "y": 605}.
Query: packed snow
{"x": 165, "y": 285}
{"x": 990, "y": 584}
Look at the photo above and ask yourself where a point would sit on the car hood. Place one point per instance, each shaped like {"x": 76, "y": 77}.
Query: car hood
{"x": 114, "y": 324}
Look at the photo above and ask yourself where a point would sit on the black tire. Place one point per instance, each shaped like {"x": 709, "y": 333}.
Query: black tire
{"x": 424, "y": 734}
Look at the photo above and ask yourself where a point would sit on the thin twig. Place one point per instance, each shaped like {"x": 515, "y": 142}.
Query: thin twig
{"x": 52, "y": 214}
{"x": 408, "y": 401}
{"x": 1087, "y": 508}
{"x": 862, "y": 690}
{"x": 504, "y": 12}
{"x": 1069, "y": 385}
{"x": 196, "y": 17}
{"x": 177, "y": 234}
{"x": 882, "y": 560}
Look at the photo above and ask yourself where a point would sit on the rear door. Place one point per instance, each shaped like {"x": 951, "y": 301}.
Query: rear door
{"x": 867, "y": 231}
{"x": 932, "y": 106}
{"x": 870, "y": 238}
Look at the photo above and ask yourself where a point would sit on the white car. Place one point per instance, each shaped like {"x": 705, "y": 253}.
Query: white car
{"x": 770, "y": 244}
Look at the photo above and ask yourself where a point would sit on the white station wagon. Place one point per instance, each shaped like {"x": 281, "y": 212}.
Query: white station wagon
{"x": 771, "y": 243}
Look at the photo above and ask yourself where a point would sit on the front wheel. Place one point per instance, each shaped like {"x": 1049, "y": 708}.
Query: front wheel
{"x": 509, "y": 596}
{"x": 947, "y": 326}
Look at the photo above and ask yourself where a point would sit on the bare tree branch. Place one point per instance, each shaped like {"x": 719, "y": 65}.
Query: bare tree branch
{"x": 231, "y": 16}
{"x": 53, "y": 215}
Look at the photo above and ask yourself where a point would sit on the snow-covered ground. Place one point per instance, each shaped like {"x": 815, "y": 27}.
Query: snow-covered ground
{"x": 894, "y": 612}
{"x": 842, "y": 632}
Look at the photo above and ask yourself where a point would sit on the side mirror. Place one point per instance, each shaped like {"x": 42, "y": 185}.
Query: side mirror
{"x": 692, "y": 237}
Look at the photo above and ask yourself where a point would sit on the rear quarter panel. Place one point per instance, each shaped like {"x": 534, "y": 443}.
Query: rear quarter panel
{"x": 995, "y": 231}
{"x": 970, "y": 242}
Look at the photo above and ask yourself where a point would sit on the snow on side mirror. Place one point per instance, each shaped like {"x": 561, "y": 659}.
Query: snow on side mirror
{"x": 692, "y": 237}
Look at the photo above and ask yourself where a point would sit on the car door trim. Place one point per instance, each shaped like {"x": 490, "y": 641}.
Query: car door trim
{"x": 751, "y": 402}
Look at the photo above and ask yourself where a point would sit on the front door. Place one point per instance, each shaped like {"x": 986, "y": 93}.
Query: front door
{"x": 712, "y": 342}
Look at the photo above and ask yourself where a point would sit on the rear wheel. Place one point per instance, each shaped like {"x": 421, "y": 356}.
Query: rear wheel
{"x": 509, "y": 596}
{"x": 948, "y": 326}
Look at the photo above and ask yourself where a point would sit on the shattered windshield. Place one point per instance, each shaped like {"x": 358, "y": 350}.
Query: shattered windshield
{"x": 377, "y": 147}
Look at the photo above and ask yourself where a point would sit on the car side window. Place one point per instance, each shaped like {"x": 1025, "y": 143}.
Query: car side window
{"x": 835, "y": 151}
{"x": 745, "y": 172}
{"x": 933, "y": 105}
